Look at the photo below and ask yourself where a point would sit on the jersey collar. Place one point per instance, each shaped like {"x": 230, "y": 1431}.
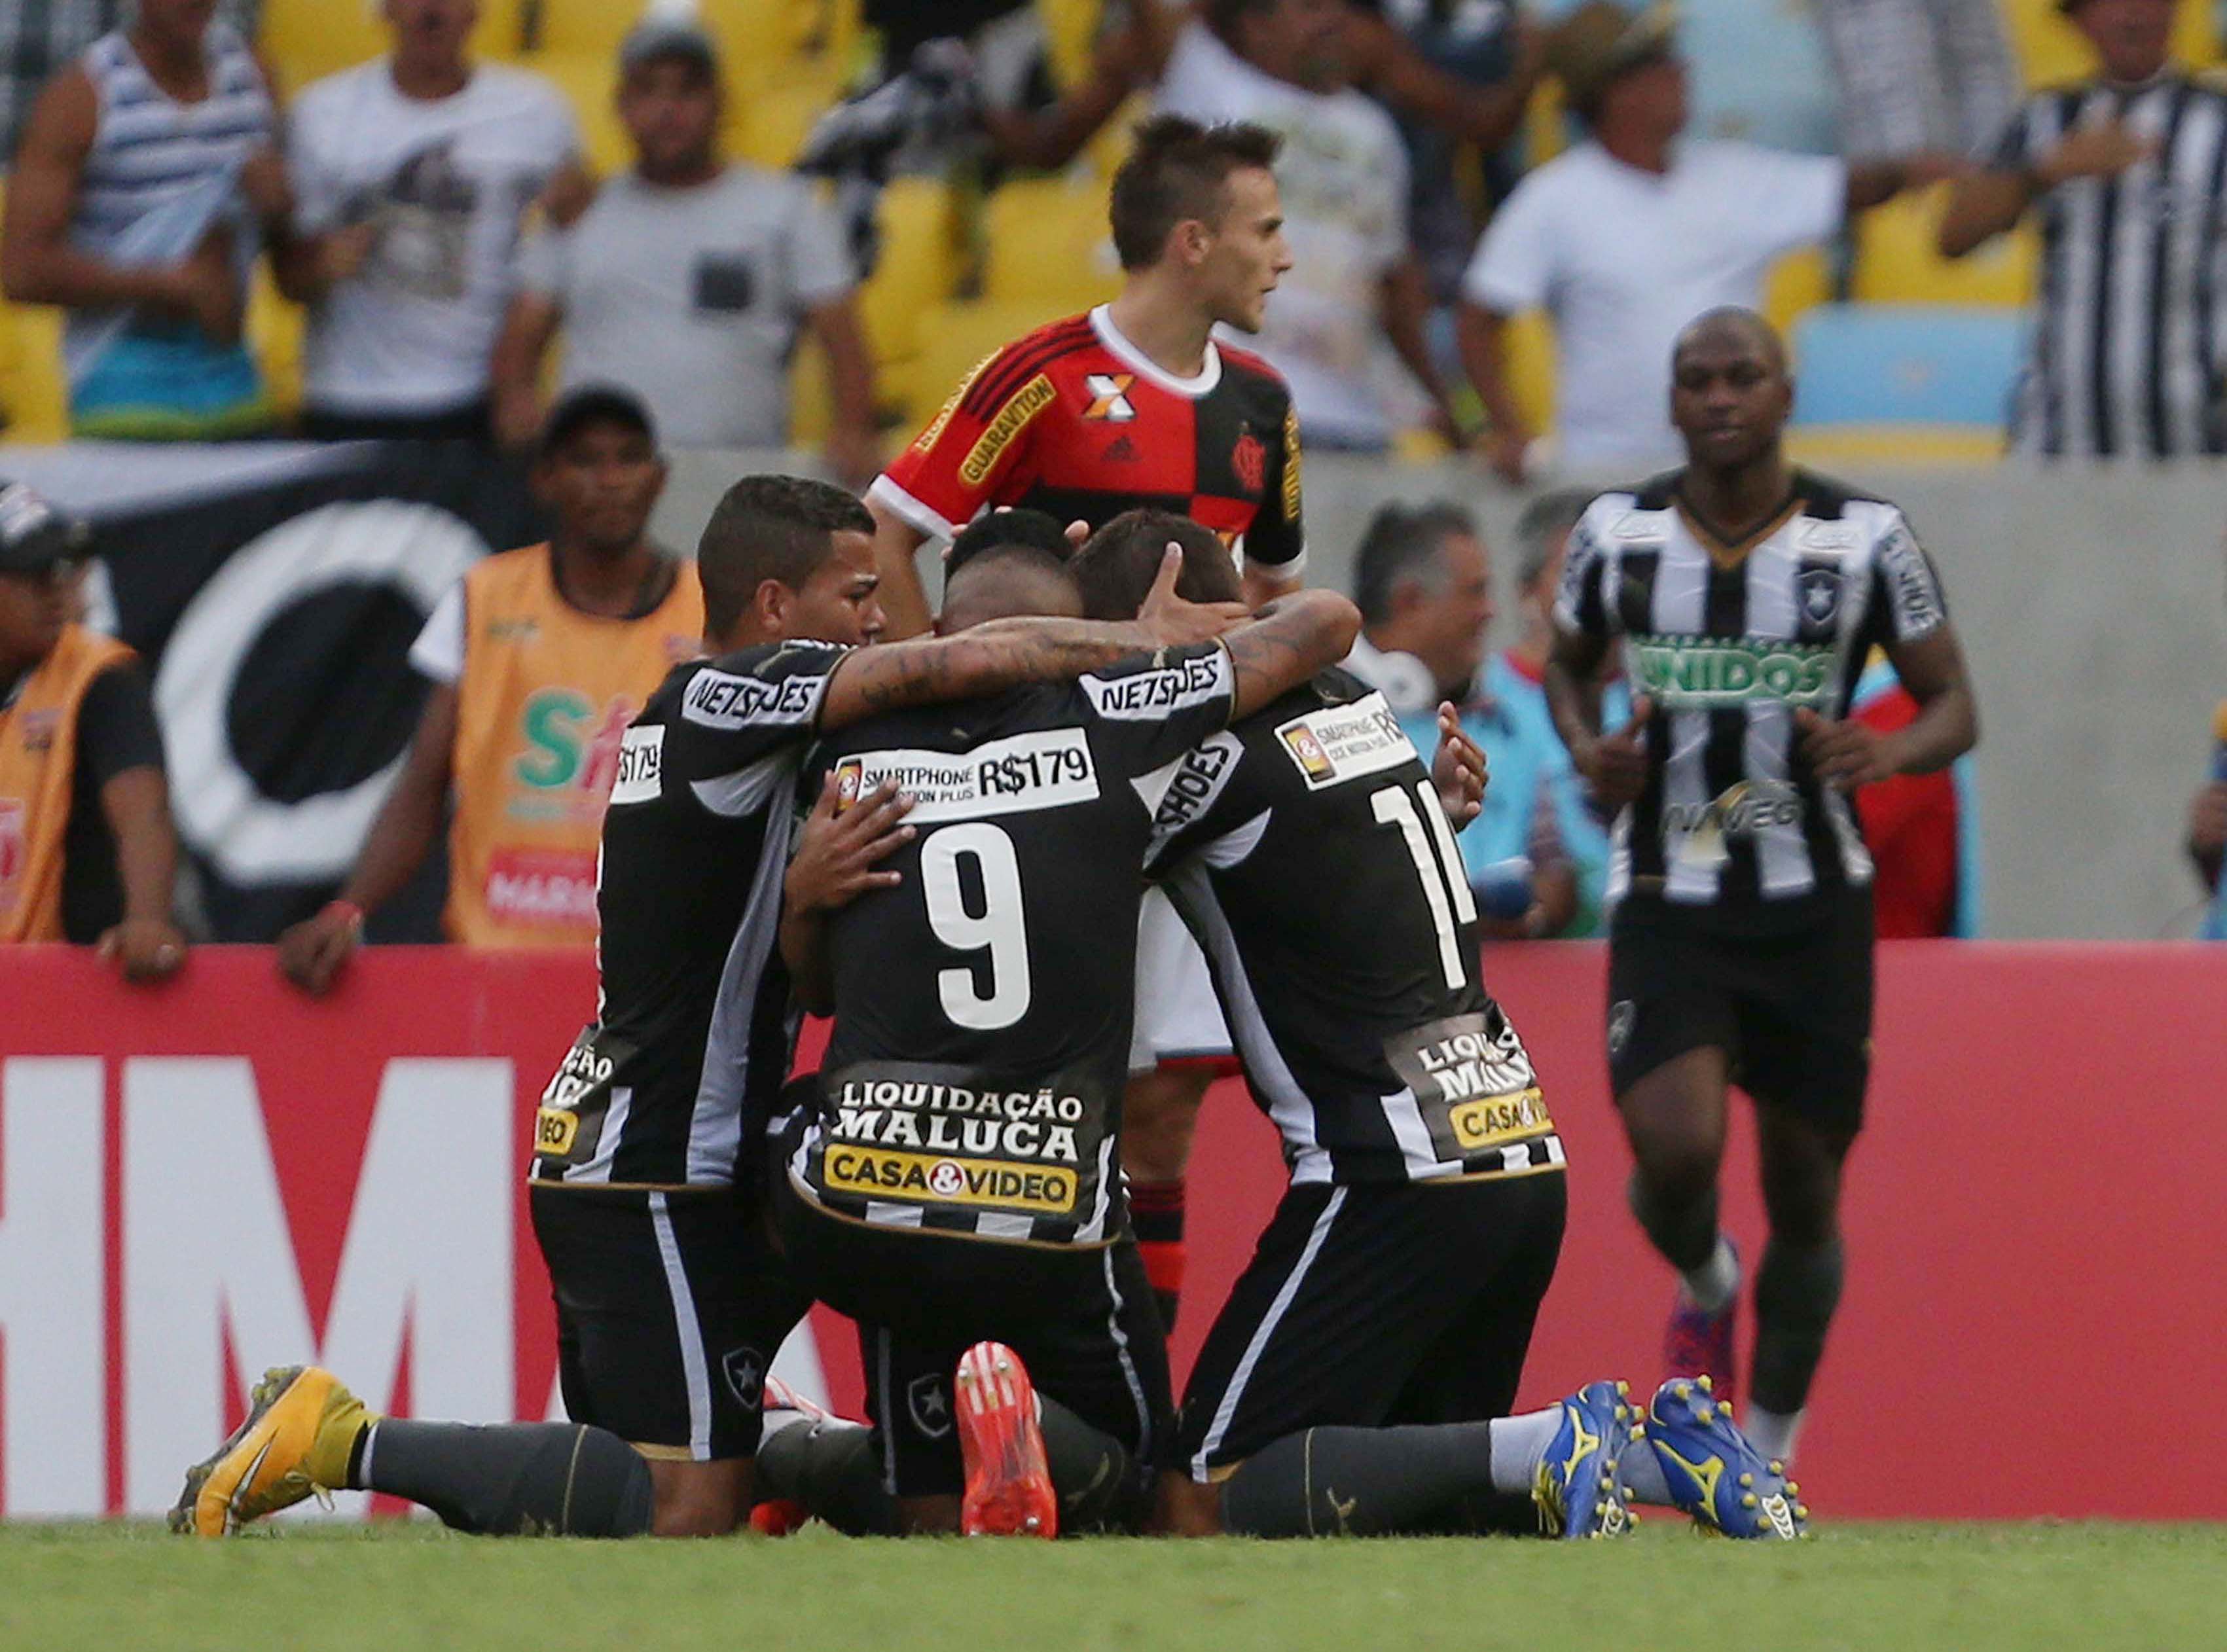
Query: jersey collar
{"x": 1102, "y": 323}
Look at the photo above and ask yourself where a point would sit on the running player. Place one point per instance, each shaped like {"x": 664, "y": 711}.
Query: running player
{"x": 669, "y": 1304}
{"x": 1748, "y": 594}
{"x": 956, "y": 1180}
{"x": 1136, "y": 404}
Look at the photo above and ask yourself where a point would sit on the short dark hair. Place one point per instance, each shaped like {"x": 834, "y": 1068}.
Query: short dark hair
{"x": 1400, "y": 545}
{"x": 1036, "y": 529}
{"x": 1116, "y": 568}
{"x": 769, "y": 527}
{"x": 1005, "y": 580}
{"x": 1179, "y": 169}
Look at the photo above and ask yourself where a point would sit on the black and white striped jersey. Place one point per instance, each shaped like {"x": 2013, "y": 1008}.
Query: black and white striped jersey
{"x": 2130, "y": 338}
{"x": 1307, "y": 850}
{"x": 972, "y": 1081}
{"x": 693, "y": 1029}
{"x": 1727, "y": 646}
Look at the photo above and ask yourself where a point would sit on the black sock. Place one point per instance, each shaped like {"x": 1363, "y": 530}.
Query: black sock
{"x": 1156, "y": 1214}
{"x": 834, "y": 1470}
{"x": 1102, "y": 1488}
{"x": 1797, "y": 1290}
{"x": 1684, "y": 1231}
{"x": 1357, "y": 1482}
{"x": 510, "y": 1479}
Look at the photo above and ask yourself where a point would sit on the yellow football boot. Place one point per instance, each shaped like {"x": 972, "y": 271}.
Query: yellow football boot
{"x": 302, "y": 1424}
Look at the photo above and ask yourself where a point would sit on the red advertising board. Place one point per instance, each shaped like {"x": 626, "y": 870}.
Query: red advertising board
{"x": 203, "y": 1178}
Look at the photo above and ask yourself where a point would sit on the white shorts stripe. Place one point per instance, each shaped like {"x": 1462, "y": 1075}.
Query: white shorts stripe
{"x": 693, "y": 1366}
{"x": 1200, "y": 1466}
{"x": 1144, "y": 1441}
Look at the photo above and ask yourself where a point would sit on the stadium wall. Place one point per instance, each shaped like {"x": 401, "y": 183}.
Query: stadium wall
{"x": 218, "y": 1175}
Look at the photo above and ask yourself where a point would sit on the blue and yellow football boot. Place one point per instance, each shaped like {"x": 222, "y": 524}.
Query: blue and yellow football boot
{"x": 1714, "y": 1472}
{"x": 1576, "y": 1489}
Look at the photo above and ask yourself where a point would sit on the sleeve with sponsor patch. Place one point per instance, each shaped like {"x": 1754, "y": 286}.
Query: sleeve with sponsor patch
{"x": 726, "y": 715}
{"x": 976, "y": 451}
{"x": 1148, "y": 711}
{"x": 1908, "y": 597}
{"x": 1278, "y": 540}
{"x": 1577, "y": 605}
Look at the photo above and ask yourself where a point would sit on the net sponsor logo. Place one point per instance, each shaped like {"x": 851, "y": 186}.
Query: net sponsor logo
{"x": 1151, "y": 694}
{"x": 1192, "y": 784}
{"x": 1346, "y": 741}
{"x": 721, "y": 699}
{"x": 1013, "y": 417}
{"x": 1712, "y": 674}
{"x": 1050, "y": 770}
{"x": 922, "y": 1178}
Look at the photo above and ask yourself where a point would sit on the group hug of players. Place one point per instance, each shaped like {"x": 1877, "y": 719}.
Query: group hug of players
{"x": 944, "y": 841}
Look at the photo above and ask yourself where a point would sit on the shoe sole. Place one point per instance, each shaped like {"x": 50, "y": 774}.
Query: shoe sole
{"x": 1009, "y": 1489}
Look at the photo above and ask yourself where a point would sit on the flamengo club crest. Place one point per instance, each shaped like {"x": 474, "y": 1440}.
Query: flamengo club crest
{"x": 1250, "y": 461}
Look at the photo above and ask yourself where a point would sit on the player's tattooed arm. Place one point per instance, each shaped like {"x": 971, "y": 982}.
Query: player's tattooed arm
{"x": 1288, "y": 642}
{"x": 1008, "y": 653}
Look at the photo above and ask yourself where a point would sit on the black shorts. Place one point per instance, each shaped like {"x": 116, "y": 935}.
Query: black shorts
{"x": 1369, "y": 1305}
{"x": 1790, "y": 1005}
{"x": 670, "y": 1307}
{"x": 1081, "y": 1319}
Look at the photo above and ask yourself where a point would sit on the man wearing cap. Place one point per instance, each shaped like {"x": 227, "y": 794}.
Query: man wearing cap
{"x": 87, "y": 851}
{"x": 412, "y": 176}
{"x": 2128, "y": 173}
{"x": 539, "y": 659}
{"x": 1629, "y": 235}
{"x": 689, "y": 278}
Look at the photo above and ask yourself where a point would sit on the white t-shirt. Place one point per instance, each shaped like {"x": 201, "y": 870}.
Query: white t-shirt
{"x": 692, "y": 298}
{"x": 1343, "y": 176}
{"x": 448, "y": 181}
{"x": 1623, "y": 259}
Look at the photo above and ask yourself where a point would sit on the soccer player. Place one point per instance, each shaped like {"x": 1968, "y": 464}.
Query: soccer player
{"x": 1137, "y": 403}
{"x": 669, "y": 1302}
{"x": 539, "y": 659}
{"x": 954, "y": 1185}
{"x": 1748, "y": 594}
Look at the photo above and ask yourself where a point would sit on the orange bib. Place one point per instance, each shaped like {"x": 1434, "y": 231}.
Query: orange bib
{"x": 38, "y": 758}
{"x": 544, "y": 702}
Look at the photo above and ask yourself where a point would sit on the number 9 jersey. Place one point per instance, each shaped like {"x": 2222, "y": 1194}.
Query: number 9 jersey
{"x": 972, "y": 1084}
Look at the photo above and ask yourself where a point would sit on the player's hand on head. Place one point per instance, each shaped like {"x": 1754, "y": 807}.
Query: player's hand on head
{"x": 840, "y": 849}
{"x": 145, "y": 949}
{"x": 1843, "y": 754}
{"x": 1171, "y": 622}
{"x": 313, "y": 952}
{"x": 1459, "y": 769}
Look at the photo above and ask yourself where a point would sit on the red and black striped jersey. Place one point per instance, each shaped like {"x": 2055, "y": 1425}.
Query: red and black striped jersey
{"x": 1075, "y": 420}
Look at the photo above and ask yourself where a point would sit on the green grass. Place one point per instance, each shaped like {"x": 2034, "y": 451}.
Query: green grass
{"x": 329, "y": 1588}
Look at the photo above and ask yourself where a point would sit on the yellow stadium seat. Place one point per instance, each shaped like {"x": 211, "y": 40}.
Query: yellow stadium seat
{"x": 1048, "y": 243}
{"x": 33, "y": 391}
{"x": 767, "y": 123}
{"x": 305, "y": 40}
{"x": 1897, "y": 261}
{"x": 274, "y": 337}
{"x": 1070, "y": 36}
{"x": 2051, "y": 50}
{"x": 918, "y": 266}
{"x": 759, "y": 39}
{"x": 1797, "y": 282}
{"x": 1529, "y": 363}
{"x": 810, "y": 410}
{"x": 1856, "y": 447}
{"x": 955, "y": 338}
{"x": 589, "y": 82}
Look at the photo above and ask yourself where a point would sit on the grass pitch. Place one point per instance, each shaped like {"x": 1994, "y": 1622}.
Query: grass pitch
{"x": 391, "y": 1586}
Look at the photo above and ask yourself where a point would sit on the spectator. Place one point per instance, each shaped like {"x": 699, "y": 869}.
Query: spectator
{"x": 87, "y": 852}
{"x": 141, "y": 193}
{"x": 2128, "y": 354}
{"x": 1423, "y": 582}
{"x": 36, "y": 39}
{"x": 687, "y": 280}
{"x": 1515, "y": 679}
{"x": 539, "y": 659}
{"x": 414, "y": 174}
{"x": 2207, "y": 831}
{"x": 1629, "y": 235}
{"x": 1343, "y": 173}
{"x": 1919, "y": 74}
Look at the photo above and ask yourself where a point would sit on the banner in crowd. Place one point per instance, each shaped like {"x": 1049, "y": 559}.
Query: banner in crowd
{"x": 202, "y": 1179}
{"x": 274, "y": 592}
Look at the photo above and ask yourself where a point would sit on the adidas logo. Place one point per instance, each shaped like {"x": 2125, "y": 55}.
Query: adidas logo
{"x": 1120, "y": 450}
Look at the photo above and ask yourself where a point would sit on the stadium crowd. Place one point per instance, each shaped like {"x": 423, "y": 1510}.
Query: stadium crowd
{"x": 443, "y": 242}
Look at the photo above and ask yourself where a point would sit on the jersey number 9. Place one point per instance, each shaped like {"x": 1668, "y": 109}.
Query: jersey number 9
{"x": 998, "y": 927}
